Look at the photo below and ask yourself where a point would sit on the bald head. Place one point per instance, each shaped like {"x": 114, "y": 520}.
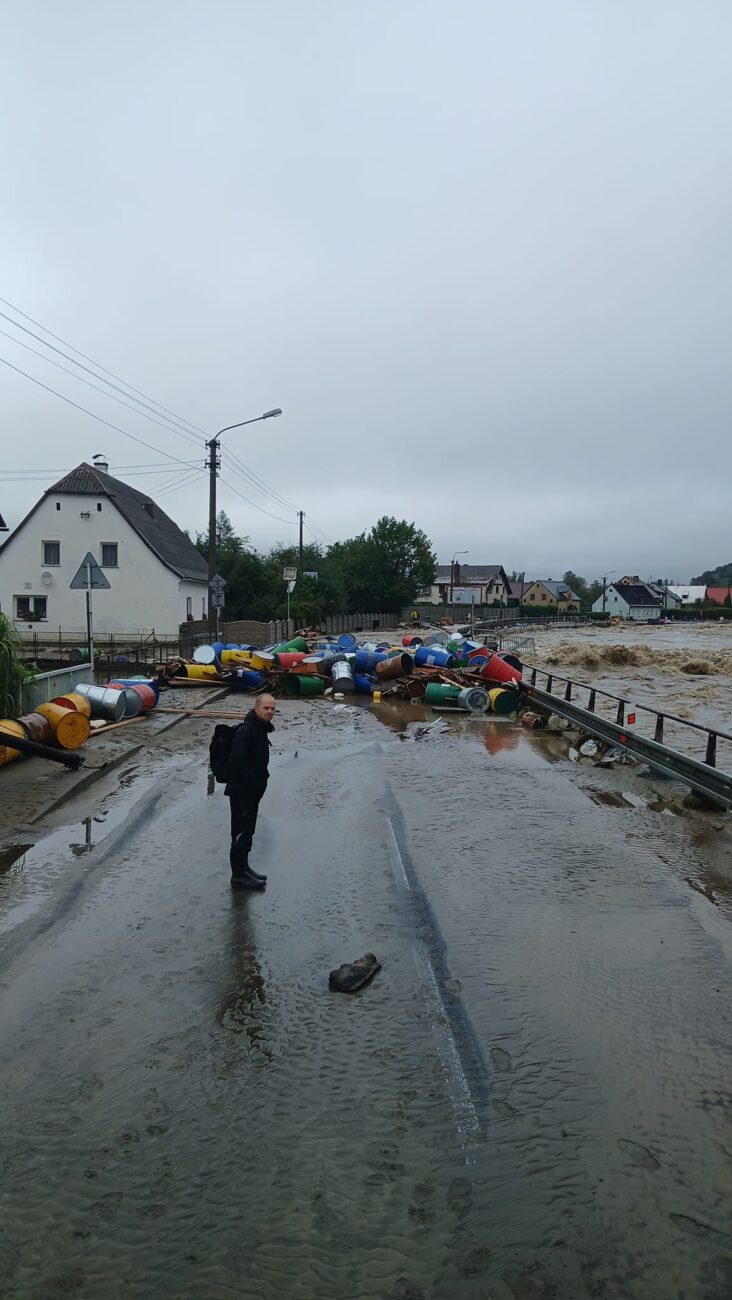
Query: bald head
{"x": 264, "y": 707}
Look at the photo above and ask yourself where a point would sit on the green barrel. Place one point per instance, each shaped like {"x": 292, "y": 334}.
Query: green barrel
{"x": 297, "y": 643}
{"x": 440, "y": 693}
{"x": 297, "y": 684}
{"x": 461, "y": 663}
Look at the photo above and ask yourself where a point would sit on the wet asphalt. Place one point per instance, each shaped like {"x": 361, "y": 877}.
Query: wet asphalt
{"x": 531, "y": 1099}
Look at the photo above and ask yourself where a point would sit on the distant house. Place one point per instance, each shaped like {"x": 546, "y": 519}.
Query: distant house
{"x": 633, "y": 601}
{"x": 689, "y": 595}
{"x": 517, "y": 590}
{"x": 466, "y": 584}
{"x": 667, "y": 596}
{"x": 719, "y": 594}
{"x": 157, "y": 577}
{"x": 547, "y": 593}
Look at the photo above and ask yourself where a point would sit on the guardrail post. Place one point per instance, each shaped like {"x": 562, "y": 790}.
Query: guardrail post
{"x": 621, "y": 713}
{"x": 533, "y": 677}
{"x": 549, "y": 684}
{"x": 591, "y": 701}
{"x": 568, "y": 691}
{"x": 658, "y": 733}
{"x": 711, "y": 757}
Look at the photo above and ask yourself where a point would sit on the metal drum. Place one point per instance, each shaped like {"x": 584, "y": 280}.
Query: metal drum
{"x": 497, "y": 670}
{"x": 289, "y": 659}
{"x": 397, "y": 666}
{"x": 363, "y": 684}
{"x": 141, "y": 681}
{"x": 201, "y": 670}
{"x": 74, "y": 701}
{"x": 245, "y": 679}
{"x": 413, "y": 641}
{"x": 304, "y": 684}
{"x": 294, "y": 645}
{"x": 475, "y": 699}
{"x": 365, "y": 661}
{"x": 441, "y": 693}
{"x": 133, "y": 701}
{"x": 503, "y": 701}
{"x": 70, "y": 728}
{"x": 37, "y": 727}
{"x": 204, "y": 654}
{"x": 347, "y": 642}
{"x": 105, "y": 702}
{"x": 263, "y": 659}
{"x": 11, "y": 728}
{"x": 342, "y": 677}
{"x": 428, "y": 656}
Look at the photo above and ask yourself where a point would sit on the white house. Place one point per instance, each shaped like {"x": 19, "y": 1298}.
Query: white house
{"x": 689, "y": 595}
{"x": 157, "y": 577}
{"x": 465, "y": 584}
{"x": 632, "y": 601}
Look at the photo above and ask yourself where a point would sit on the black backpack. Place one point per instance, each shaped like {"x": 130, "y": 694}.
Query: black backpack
{"x": 219, "y": 751}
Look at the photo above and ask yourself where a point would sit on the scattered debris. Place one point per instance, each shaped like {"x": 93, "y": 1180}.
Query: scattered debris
{"x": 588, "y": 749}
{"x": 352, "y": 976}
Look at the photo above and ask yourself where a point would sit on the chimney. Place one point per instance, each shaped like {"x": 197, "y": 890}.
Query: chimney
{"x": 150, "y": 507}
{"x": 101, "y": 463}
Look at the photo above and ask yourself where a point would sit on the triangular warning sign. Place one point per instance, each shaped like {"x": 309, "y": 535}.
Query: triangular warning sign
{"x": 88, "y": 574}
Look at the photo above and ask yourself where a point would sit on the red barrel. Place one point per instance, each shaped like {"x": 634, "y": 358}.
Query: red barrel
{"x": 147, "y": 694}
{"x": 497, "y": 670}
{"x": 288, "y": 659}
{"x": 476, "y": 654}
{"x": 412, "y": 640}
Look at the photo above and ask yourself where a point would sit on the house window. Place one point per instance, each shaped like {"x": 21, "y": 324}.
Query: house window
{"x": 109, "y": 555}
{"x": 543, "y": 595}
{"x": 99, "y": 506}
{"x": 30, "y": 608}
{"x": 51, "y": 553}
{"x": 58, "y": 505}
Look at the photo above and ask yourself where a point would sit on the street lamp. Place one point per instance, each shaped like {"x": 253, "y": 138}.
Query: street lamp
{"x": 604, "y": 586}
{"x": 452, "y": 570}
{"x": 213, "y": 465}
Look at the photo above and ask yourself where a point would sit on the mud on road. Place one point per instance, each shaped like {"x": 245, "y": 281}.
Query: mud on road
{"x": 528, "y": 1100}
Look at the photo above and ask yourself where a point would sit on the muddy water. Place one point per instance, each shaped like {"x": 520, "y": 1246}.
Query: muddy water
{"x": 529, "y": 1100}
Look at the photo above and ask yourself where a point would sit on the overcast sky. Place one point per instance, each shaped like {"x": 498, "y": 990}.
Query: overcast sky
{"x": 478, "y": 252}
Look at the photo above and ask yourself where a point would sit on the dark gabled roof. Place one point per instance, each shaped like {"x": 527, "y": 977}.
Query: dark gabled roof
{"x": 156, "y": 529}
{"x": 468, "y": 572}
{"x": 636, "y": 594}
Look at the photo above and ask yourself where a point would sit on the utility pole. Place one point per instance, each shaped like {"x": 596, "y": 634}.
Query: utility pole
{"x": 214, "y": 463}
{"x": 301, "y": 514}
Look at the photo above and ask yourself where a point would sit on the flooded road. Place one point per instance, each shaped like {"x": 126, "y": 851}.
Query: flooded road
{"x": 530, "y": 1100}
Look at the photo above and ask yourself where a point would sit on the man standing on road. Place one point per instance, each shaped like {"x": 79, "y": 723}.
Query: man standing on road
{"x": 248, "y": 777}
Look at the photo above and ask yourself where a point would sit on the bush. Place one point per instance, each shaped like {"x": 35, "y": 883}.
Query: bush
{"x": 13, "y": 672}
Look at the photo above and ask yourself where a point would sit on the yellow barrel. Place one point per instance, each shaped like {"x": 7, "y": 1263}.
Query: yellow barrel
{"x": 241, "y": 657}
{"x": 503, "y": 701}
{"x": 70, "y": 728}
{"x": 201, "y": 670}
{"x": 14, "y": 729}
{"x": 74, "y": 701}
{"x": 262, "y": 659}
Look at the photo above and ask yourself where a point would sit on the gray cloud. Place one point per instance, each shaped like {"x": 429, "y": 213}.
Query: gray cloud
{"x": 478, "y": 253}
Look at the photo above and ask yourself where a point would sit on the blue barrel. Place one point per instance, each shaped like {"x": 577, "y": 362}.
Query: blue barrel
{"x": 366, "y": 660}
{"x": 468, "y": 647}
{"x": 364, "y": 685}
{"x": 245, "y": 679}
{"x": 217, "y": 647}
{"x": 426, "y": 656}
{"x": 232, "y": 645}
{"x": 347, "y": 642}
{"x": 478, "y": 662}
{"x": 383, "y": 645}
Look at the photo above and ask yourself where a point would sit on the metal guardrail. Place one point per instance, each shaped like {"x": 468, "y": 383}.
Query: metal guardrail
{"x": 703, "y": 776}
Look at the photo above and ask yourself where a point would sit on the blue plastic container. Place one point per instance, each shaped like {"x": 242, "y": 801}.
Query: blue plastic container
{"x": 232, "y": 645}
{"x": 218, "y": 646}
{"x": 366, "y": 660}
{"x": 468, "y": 647}
{"x": 364, "y": 685}
{"x": 478, "y": 662}
{"x": 426, "y": 656}
{"x": 347, "y": 642}
{"x": 245, "y": 679}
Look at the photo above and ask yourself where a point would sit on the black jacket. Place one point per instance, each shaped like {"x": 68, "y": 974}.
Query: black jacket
{"x": 249, "y": 763}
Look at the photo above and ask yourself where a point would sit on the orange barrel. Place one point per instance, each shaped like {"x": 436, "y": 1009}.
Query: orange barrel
{"x": 400, "y": 665}
{"x": 70, "y": 728}
{"x": 289, "y": 659}
{"x": 147, "y": 693}
{"x": 13, "y": 729}
{"x": 497, "y": 670}
{"x": 412, "y": 640}
{"x": 37, "y": 727}
{"x": 73, "y": 701}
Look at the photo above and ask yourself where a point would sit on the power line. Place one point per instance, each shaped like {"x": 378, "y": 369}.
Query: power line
{"x": 183, "y": 481}
{"x": 231, "y": 488}
{"x": 243, "y": 471}
{"x": 79, "y": 353}
{"x": 317, "y": 531}
{"x": 84, "y": 411}
{"x": 50, "y": 361}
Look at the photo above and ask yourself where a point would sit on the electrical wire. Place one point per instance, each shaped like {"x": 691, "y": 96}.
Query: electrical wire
{"x": 19, "y": 343}
{"x": 84, "y": 411}
{"x": 173, "y": 486}
{"x": 319, "y": 532}
{"x": 231, "y": 488}
{"x": 193, "y": 427}
{"x": 237, "y": 466}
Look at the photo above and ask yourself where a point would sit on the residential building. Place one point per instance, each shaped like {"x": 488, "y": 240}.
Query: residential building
{"x": 689, "y": 595}
{"x": 633, "y": 601}
{"x": 547, "y": 593}
{"x": 466, "y": 584}
{"x": 157, "y": 577}
{"x": 719, "y": 594}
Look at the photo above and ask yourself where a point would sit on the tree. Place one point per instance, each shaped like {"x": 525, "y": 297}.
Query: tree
{"x": 385, "y": 568}
{"x": 588, "y": 592}
{"x": 719, "y": 577}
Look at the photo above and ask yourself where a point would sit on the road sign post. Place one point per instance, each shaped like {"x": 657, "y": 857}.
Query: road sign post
{"x": 89, "y": 577}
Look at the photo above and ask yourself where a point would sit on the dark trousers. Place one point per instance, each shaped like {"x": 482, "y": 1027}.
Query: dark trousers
{"x": 244, "y": 809}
